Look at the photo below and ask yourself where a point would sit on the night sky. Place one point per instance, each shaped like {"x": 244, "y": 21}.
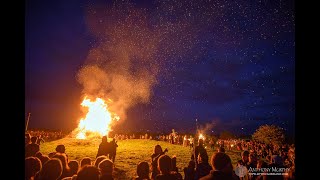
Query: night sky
{"x": 230, "y": 64}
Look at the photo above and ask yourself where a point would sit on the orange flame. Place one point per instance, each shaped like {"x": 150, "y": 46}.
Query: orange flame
{"x": 201, "y": 136}
{"x": 98, "y": 119}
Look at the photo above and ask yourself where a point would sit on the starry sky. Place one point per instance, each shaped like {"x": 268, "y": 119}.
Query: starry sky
{"x": 228, "y": 64}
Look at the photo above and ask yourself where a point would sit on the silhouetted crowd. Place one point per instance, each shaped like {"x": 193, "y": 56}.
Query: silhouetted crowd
{"x": 45, "y": 135}
{"x": 256, "y": 158}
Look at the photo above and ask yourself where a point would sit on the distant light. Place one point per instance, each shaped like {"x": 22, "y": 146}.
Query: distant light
{"x": 241, "y": 128}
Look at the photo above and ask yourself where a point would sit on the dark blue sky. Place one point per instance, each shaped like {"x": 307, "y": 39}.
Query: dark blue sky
{"x": 231, "y": 63}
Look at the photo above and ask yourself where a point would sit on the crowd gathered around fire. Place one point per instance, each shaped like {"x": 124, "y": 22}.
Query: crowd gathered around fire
{"x": 45, "y": 135}
{"x": 254, "y": 155}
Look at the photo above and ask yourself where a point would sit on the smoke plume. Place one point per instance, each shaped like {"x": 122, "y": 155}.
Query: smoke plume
{"x": 207, "y": 128}
{"x": 124, "y": 61}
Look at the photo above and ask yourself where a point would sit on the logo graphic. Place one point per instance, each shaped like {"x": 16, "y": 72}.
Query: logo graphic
{"x": 241, "y": 171}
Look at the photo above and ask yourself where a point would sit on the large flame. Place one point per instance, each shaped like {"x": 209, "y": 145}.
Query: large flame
{"x": 201, "y": 136}
{"x": 98, "y": 119}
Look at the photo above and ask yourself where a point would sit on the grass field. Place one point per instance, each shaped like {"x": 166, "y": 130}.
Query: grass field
{"x": 129, "y": 153}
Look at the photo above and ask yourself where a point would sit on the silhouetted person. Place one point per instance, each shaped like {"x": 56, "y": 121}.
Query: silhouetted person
{"x": 74, "y": 167}
{"x": 221, "y": 149}
{"x": 203, "y": 168}
{"x": 44, "y": 159}
{"x": 85, "y": 161}
{"x": 211, "y": 142}
{"x": 99, "y": 159}
{"x": 171, "y": 139}
{"x": 164, "y": 166}
{"x": 262, "y": 164}
{"x": 113, "y": 150}
{"x": 174, "y": 164}
{"x": 32, "y": 148}
{"x": 142, "y": 171}
{"x": 32, "y": 166}
{"x": 88, "y": 172}
{"x": 199, "y": 149}
{"x": 27, "y": 139}
{"x": 106, "y": 169}
{"x": 252, "y": 164}
{"x": 189, "y": 172}
{"x": 104, "y": 147}
{"x": 65, "y": 167}
{"x": 245, "y": 158}
{"x": 222, "y": 168}
{"x": 51, "y": 170}
{"x": 154, "y": 160}
{"x": 50, "y": 155}
{"x": 191, "y": 139}
{"x": 174, "y": 168}
{"x": 38, "y": 154}
{"x": 276, "y": 162}
{"x": 61, "y": 149}
{"x": 222, "y": 144}
{"x": 40, "y": 140}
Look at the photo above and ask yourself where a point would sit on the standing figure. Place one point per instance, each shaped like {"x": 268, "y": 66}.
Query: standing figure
{"x": 32, "y": 148}
{"x": 154, "y": 160}
{"x": 211, "y": 143}
{"x": 191, "y": 140}
{"x": 185, "y": 141}
{"x": 104, "y": 147}
{"x": 40, "y": 140}
{"x": 197, "y": 150}
{"x": 113, "y": 150}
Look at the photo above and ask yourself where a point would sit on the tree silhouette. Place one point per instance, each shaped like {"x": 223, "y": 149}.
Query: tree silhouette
{"x": 269, "y": 134}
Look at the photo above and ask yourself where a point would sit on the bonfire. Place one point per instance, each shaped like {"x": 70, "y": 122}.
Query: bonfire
{"x": 201, "y": 136}
{"x": 97, "y": 122}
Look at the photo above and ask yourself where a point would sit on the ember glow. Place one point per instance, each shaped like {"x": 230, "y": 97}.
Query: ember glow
{"x": 98, "y": 119}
